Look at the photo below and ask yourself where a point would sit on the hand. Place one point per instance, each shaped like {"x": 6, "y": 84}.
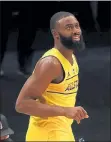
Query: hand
{"x": 76, "y": 113}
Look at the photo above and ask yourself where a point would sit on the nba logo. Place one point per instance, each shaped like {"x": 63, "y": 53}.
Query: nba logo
{"x": 73, "y": 71}
{"x": 1, "y": 127}
{"x": 68, "y": 74}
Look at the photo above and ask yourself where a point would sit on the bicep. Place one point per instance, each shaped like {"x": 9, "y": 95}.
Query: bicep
{"x": 38, "y": 82}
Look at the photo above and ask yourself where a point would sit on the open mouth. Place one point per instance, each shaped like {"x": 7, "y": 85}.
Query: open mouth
{"x": 76, "y": 37}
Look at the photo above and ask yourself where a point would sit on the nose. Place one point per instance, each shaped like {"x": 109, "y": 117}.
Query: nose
{"x": 76, "y": 30}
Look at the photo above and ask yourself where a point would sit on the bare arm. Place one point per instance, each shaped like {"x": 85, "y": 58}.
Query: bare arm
{"x": 45, "y": 71}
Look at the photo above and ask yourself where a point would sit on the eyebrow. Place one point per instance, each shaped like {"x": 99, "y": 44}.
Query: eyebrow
{"x": 71, "y": 24}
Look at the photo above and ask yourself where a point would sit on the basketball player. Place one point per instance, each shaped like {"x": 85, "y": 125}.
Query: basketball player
{"x": 49, "y": 94}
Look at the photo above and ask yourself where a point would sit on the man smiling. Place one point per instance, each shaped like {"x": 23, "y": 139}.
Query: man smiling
{"x": 49, "y": 94}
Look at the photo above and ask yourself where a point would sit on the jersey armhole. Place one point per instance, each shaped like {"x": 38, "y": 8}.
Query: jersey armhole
{"x": 64, "y": 73}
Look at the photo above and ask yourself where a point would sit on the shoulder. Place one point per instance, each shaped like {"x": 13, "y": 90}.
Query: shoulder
{"x": 49, "y": 61}
{"x": 48, "y": 64}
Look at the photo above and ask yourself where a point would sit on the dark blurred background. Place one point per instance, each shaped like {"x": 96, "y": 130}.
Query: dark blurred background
{"x": 25, "y": 36}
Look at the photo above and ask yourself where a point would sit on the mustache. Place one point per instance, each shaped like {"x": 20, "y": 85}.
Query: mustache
{"x": 76, "y": 34}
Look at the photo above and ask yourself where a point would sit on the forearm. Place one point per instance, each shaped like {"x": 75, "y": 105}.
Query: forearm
{"x": 34, "y": 108}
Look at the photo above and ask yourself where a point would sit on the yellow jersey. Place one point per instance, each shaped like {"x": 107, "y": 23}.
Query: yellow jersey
{"x": 61, "y": 94}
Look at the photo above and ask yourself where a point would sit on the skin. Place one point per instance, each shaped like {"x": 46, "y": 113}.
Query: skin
{"x": 68, "y": 26}
{"x": 4, "y": 137}
{"x": 49, "y": 70}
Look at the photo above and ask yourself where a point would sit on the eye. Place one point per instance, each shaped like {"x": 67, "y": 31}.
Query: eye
{"x": 77, "y": 25}
{"x": 69, "y": 27}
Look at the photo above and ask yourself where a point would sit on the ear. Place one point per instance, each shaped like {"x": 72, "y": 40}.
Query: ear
{"x": 55, "y": 33}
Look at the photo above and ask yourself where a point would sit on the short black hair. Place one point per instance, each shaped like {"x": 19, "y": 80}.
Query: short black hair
{"x": 57, "y": 16}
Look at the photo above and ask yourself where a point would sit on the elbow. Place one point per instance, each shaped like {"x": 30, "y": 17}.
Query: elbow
{"x": 18, "y": 107}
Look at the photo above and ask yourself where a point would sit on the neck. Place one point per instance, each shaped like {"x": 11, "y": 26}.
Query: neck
{"x": 67, "y": 53}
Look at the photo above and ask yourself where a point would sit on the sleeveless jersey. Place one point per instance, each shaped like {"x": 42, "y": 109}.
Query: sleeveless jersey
{"x": 61, "y": 94}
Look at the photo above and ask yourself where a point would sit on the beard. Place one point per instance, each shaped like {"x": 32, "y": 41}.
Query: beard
{"x": 69, "y": 43}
